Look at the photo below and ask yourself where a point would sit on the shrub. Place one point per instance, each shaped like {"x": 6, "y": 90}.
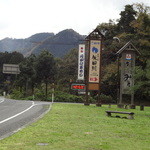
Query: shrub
{"x": 65, "y": 97}
{"x": 16, "y": 94}
{"x": 105, "y": 98}
{"x": 30, "y": 98}
{"x": 39, "y": 95}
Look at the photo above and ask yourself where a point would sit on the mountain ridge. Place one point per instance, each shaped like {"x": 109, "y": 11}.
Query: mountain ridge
{"x": 58, "y": 44}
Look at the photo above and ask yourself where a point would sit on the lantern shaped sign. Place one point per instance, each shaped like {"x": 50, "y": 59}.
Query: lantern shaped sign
{"x": 128, "y": 55}
{"x": 94, "y": 59}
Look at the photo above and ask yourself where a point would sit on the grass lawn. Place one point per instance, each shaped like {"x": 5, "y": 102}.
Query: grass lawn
{"x": 79, "y": 127}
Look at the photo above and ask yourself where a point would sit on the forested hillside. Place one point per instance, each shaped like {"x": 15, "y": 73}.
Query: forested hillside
{"x": 58, "y": 44}
{"x": 39, "y": 72}
{"x": 22, "y": 45}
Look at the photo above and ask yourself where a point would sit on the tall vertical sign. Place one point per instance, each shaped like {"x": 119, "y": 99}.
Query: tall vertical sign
{"x": 127, "y": 64}
{"x": 93, "y": 80}
{"x": 94, "y": 64}
{"x": 128, "y": 53}
{"x": 127, "y": 75}
{"x": 81, "y": 62}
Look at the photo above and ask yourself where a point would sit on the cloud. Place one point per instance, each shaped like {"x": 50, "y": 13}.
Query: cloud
{"x": 22, "y": 18}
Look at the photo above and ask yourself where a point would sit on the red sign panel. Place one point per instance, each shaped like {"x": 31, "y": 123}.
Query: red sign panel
{"x": 93, "y": 79}
{"x": 78, "y": 86}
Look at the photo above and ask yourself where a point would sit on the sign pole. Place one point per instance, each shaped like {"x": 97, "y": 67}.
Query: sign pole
{"x": 86, "y": 102}
{"x": 99, "y": 102}
{"x": 53, "y": 90}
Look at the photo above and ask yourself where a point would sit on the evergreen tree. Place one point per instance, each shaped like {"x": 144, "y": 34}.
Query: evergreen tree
{"x": 127, "y": 16}
{"x": 45, "y": 68}
{"x": 27, "y": 77}
{"x": 142, "y": 37}
{"x": 68, "y": 68}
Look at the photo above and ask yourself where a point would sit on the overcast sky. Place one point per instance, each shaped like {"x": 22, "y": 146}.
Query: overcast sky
{"x": 23, "y": 18}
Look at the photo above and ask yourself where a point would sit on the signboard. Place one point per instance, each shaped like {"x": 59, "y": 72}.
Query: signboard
{"x": 81, "y": 93}
{"x": 94, "y": 41}
{"x": 94, "y": 61}
{"x": 11, "y": 69}
{"x": 128, "y": 56}
{"x": 81, "y": 62}
{"x": 78, "y": 86}
{"x": 127, "y": 71}
{"x": 93, "y": 86}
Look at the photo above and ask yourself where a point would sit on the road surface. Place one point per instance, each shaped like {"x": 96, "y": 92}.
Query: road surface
{"x": 15, "y": 114}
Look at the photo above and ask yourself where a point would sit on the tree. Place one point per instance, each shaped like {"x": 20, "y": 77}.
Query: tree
{"x": 27, "y": 77}
{"x": 127, "y": 16}
{"x": 134, "y": 25}
{"x": 45, "y": 68}
{"x": 16, "y": 58}
{"x": 9, "y": 58}
{"x": 110, "y": 48}
{"x": 108, "y": 29}
{"x": 142, "y": 27}
{"x": 142, "y": 86}
{"x": 68, "y": 68}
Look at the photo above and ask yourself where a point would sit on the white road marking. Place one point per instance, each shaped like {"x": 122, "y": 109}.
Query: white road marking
{"x": 17, "y": 114}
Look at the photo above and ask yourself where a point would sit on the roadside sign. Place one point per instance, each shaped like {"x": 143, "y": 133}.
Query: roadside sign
{"x": 81, "y": 93}
{"x": 11, "y": 69}
{"x": 94, "y": 42}
{"x": 78, "y": 86}
{"x": 94, "y": 62}
{"x": 81, "y": 62}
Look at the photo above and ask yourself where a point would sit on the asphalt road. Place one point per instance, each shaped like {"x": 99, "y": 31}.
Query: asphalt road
{"x": 15, "y": 114}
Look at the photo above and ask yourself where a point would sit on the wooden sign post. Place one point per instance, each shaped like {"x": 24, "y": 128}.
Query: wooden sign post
{"x": 128, "y": 54}
{"x": 94, "y": 40}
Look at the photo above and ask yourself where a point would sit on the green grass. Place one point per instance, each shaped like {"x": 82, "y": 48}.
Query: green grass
{"x": 79, "y": 127}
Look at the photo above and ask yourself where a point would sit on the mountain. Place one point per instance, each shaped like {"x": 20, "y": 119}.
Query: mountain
{"x": 9, "y": 44}
{"x": 58, "y": 44}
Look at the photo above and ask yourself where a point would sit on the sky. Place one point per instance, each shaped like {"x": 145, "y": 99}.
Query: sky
{"x": 23, "y": 18}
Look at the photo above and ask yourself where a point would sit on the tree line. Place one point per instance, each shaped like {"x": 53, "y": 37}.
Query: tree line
{"x": 134, "y": 26}
{"x": 39, "y": 72}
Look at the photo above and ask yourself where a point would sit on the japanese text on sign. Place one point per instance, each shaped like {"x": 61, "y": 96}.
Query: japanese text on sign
{"x": 77, "y": 86}
{"x": 81, "y": 61}
{"x": 94, "y": 64}
{"x": 127, "y": 69}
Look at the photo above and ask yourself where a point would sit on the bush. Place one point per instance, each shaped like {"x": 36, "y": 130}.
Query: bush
{"x": 65, "y": 97}
{"x": 39, "y": 95}
{"x": 16, "y": 94}
{"x": 105, "y": 98}
{"x": 60, "y": 97}
{"x": 30, "y": 98}
{"x": 92, "y": 100}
